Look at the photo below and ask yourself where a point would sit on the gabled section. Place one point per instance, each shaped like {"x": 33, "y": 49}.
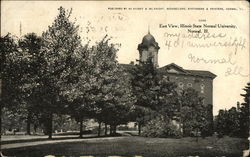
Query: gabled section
{"x": 173, "y": 68}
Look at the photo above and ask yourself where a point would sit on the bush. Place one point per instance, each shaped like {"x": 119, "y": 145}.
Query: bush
{"x": 159, "y": 127}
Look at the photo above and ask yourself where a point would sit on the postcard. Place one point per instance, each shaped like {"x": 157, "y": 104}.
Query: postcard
{"x": 125, "y": 78}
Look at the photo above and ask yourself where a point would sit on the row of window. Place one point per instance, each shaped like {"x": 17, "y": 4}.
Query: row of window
{"x": 181, "y": 85}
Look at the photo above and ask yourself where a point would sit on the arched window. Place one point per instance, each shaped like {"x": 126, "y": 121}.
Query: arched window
{"x": 189, "y": 85}
{"x": 181, "y": 85}
{"x": 202, "y": 88}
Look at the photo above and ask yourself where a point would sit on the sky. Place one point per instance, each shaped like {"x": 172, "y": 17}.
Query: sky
{"x": 127, "y": 22}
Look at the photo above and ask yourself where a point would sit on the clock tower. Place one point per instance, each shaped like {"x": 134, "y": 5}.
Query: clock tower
{"x": 148, "y": 49}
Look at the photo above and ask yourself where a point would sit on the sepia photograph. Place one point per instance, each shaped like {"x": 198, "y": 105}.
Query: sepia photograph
{"x": 124, "y": 78}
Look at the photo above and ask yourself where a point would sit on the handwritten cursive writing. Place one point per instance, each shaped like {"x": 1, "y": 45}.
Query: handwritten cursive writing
{"x": 223, "y": 60}
{"x": 203, "y": 36}
{"x": 235, "y": 43}
{"x": 236, "y": 70}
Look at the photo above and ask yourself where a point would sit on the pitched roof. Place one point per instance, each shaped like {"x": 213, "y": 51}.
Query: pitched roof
{"x": 200, "y": 73}
{"x": 127, "y": 66}
{"x": 179, "y": 69}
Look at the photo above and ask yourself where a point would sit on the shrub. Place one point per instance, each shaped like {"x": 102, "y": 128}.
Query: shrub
{"x": 160, "y": 127}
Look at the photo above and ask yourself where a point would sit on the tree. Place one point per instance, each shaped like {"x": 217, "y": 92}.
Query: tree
{"x": 193, "y": 112}
{"x": 30, "y": 46}
{"x": 153, "y": 91}
{"x": 145, "y": 84}
{"x": 110, "y": 92}
{"x": 11, "y": 74}
{"x": 233, "y": 123}
{"x": 168, "y": 100}
{"x": 220, "y": 121}
{"x": 118, "y": 110}
{"x": 10, "y": 70}
{"x": 99, "y": 90}
{"x": 61, "y": 45}
{"x": 244, "y": 113}
{"x": 227, "y": 122}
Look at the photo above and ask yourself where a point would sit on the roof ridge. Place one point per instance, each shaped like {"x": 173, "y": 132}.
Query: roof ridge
{"x": 205, "y": 73}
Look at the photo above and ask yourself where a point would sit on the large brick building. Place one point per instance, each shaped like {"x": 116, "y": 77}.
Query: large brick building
{"x": 201, "y": 81}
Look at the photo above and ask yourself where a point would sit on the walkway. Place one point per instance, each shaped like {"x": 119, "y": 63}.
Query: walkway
{"x": 8, "y": 142}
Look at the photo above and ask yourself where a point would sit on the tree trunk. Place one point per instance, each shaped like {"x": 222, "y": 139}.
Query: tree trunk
{"x": 50, "y": 125}
{"x": 28, "y": 123}
{"x": 197, "y": 135}
{"x": 139, "y": 129}
{"x": 81, "y": 124}
{"x": 35, "y": 127}
{"x": 111, "y": 132}
{"x": 106, "y": 129}
{"x": 114, "y": 129}
{"x": 99, "y": 128}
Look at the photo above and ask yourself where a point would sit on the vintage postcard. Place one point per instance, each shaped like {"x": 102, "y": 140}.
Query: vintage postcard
{"x": 125, "y": 78}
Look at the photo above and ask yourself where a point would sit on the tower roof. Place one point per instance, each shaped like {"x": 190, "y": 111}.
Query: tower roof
{"x": 148, "y": 40}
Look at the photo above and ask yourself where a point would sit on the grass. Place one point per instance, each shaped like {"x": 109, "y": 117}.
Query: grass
{"x": 133, "y": 145}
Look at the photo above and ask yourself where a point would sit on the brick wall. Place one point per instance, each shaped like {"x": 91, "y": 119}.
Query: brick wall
{"x": 197, "y": 83}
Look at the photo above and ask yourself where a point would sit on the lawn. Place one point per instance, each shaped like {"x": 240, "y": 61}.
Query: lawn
{"x": 129, "y": 146}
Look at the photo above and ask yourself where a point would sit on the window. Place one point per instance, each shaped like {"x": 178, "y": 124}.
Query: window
{"x": 202, "y": 88}
{"x": 180, "y": 91}
{"x": 189, "y": 85}
{"x": 203, "y": 101}
{"x": 166, "y": 78}
{"x": 181, "y": 85}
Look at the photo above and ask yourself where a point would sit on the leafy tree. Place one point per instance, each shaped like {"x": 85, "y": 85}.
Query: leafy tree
{"x": 61, "y": 45}
{"x": 153, "y": 91}
{"x": 192, "y": 112}
{"x": 10, "y": 71}
{"x": 118, "y": 110}
{"x": 244, "y": 113}
{"x": 145, "y": 84}
{"x": 233, "y": 123}
{"x": 144, "y": 87}
{"x": 10, "y": 74}
{"x": 227, "y": 122}
{"x": 12, "y": 120}
{"x": 168, "y": 101}
{"x": 141, "y": 116}
{"x": 21, "y": 59}
{"x": 30, "y": 46}
{"x": 100, "y": 92}
{"x": 110, "y": 92}
{"x": 221, "y": 125}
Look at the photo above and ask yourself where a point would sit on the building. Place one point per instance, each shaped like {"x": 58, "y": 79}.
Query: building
{"x": 201, "y": 81}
